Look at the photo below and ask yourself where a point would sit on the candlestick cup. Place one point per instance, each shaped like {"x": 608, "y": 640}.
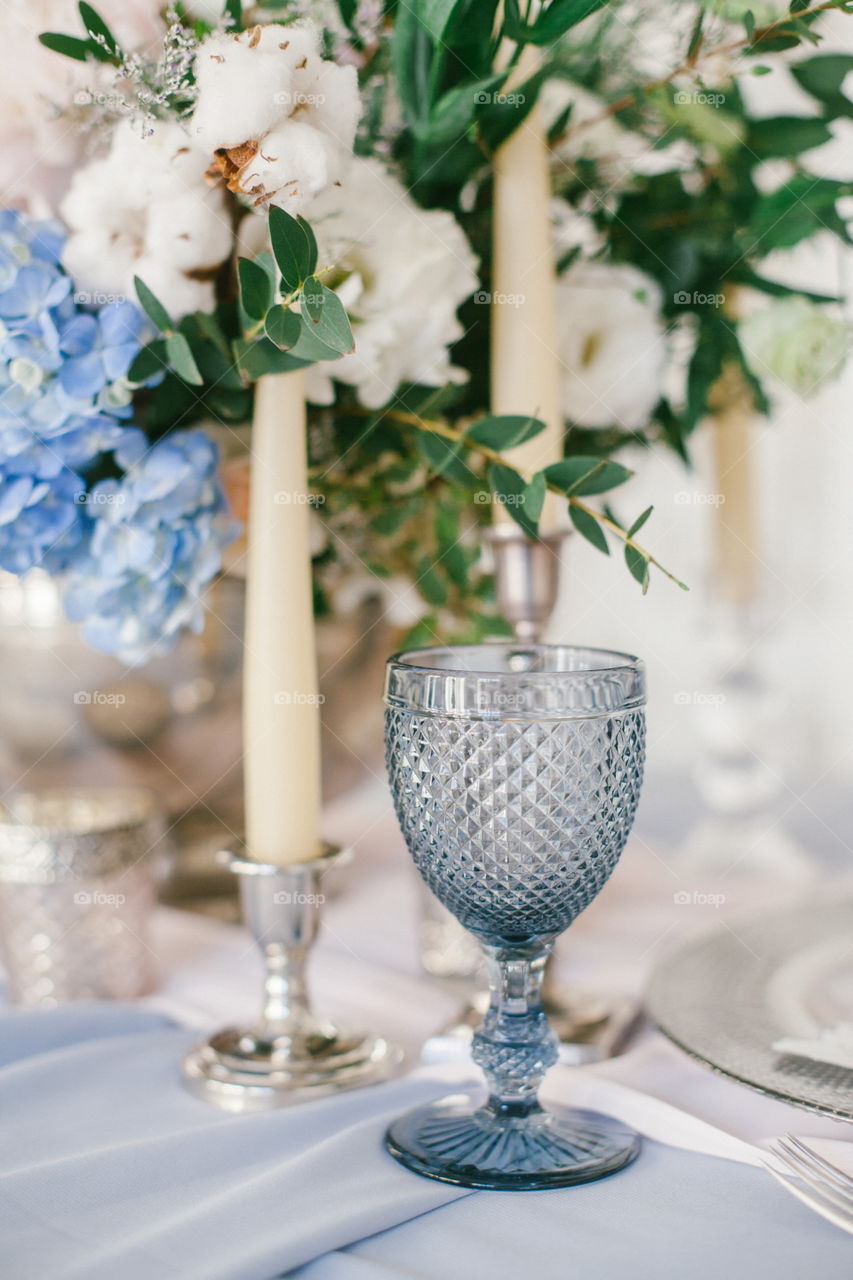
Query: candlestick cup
{"x": 516, "y": 772}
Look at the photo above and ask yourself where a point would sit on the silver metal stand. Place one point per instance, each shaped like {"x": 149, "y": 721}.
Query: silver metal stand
{"x": 527, "y": 577}
{"x": 290, "y": 1054}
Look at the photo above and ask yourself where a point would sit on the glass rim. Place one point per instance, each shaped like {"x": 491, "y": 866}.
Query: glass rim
{"x": 626, "y": 661}
{"x": 581, "y": 682}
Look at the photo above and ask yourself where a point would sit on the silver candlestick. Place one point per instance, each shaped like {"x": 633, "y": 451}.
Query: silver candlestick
{"x": 290, "y": 1054}
{"x": 527, "y": 579}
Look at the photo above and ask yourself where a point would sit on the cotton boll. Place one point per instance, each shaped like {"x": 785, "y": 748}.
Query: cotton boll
{"x": 101, "y": 261}
{"x": 293, "y": 163}
{"x": 336, "y": 106}
{"x": 611, "y": 345}
{"x": 190, "y": 230}
{"x": 276, "y": 120}
{"x": 147, "y": 202}
{"x": 240, "y": 91}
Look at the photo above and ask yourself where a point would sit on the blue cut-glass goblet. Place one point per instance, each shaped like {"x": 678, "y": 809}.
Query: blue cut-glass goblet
{"x": 516, "y": 772}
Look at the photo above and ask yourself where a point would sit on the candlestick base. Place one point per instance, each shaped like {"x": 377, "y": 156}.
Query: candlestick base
{"x": 289, "y": 1055}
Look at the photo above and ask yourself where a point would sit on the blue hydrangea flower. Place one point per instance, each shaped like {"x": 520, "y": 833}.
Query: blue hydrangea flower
{"x": 156, "y": 541}
{"x": 64, "y": 393}
{"x": 138, "y": 550}
{"x": 41, "y": 521}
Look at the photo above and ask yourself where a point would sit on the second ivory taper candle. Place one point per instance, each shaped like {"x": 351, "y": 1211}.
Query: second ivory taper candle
{"x": 281, "y": 704}
{"x": 525, "y": 366}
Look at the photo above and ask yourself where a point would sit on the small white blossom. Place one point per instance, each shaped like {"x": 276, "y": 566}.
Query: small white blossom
{"x": 145, "y": 209}
{"x": 276, "y": 119}
{"x": 591, "y": 134}
{"x": 611, "y": 345}
{"x": 796, "y": 342}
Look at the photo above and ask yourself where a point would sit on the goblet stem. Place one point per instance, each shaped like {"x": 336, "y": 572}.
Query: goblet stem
{"x": 515, "y": 1044}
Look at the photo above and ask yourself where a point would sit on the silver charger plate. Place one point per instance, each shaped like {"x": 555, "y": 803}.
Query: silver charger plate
{"x": 727, "y": 994}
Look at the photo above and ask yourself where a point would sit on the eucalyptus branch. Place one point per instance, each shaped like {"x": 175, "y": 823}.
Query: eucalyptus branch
{"x": 492, "y": 455}
{"x": 700, "y": 54}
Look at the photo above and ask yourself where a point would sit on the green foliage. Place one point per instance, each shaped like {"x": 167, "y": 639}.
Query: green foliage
{"x": 408, "y": 485}
{"x": 553, "y": 21}
{"x": 294, "y": 247}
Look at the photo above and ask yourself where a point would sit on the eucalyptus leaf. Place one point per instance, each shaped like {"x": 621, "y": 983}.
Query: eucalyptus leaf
{"x": 95, "y": 26}
{"x": 283, "y": 327}
{"x": 330, "y": 324}
{"x": 639, "y": 522}
{"x": 256, "y": 289}
{"x": 148, "y": 362}
{"x": 638, "y": 567}
{"x": 588, "y": 527}
{"x": 69, "y": 46}
{"x": 446, "y": 457}
{"x": 255, "y": 359}
{"x": 782, "y": 136}
{"x": 510, "y": 490}
{"x": 180, "y": 357}
{"x": 579, "y": 475}
{"x": 793, "y": 212}
{"x": 554, "y": 20}
{"x": 534, "y": 496}
{"x": 294, "y": 249}
{"x": 153, "y": 307}
{"x": 311, "y": 299}
{"x": 505, "y": 431}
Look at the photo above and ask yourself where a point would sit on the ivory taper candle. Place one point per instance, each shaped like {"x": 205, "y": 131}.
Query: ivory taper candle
{"x": 525, "y": 368}
{"x": 735, "y": 567}
{"x": 281, "y": 706}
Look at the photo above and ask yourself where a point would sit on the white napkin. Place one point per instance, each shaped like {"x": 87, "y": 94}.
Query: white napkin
{"x": 833, "y": 1045}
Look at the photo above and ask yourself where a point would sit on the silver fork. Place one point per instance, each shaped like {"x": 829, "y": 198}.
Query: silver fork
{"x": 815, "y": 1181}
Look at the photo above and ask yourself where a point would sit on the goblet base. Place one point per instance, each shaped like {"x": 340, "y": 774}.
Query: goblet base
{"x": 453, "y": 1141}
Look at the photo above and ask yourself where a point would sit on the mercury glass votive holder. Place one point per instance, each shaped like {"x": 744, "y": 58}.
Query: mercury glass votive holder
{"x": 78, "y": 872}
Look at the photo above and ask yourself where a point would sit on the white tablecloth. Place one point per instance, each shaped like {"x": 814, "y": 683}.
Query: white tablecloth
{"x": 111, "y": 1168}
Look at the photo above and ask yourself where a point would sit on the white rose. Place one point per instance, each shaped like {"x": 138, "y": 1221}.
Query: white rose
{"x": 277, "y": 120}
{"x": 799, "y": 344}
{"x": 402, "y": 272}
{"x": 145, "y": 209}
{"x": 611, "y": 345}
